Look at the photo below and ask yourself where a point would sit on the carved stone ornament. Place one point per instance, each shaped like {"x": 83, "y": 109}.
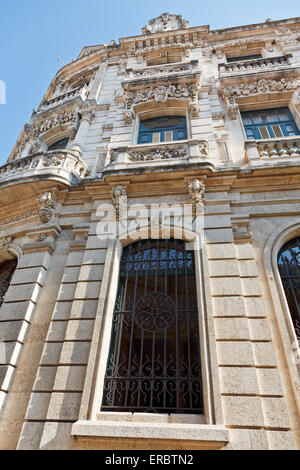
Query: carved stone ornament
{"x": 161, "y": 94}
{"x": 32, "y": 133}
{"x": 158, "y": 154}
{"x": 165, "y": 22}
{"x": 196, "y": 191}
{"x": 241, "y": 234}
{"x": 52, "y": 160}
{"x": 119, "y": 200}
{"x": 230, "y": 93}
{"x": 47, "y": 204}
{"x": 4, "y": 243}
{"x": 19, "y": 218}
{"x": 87, "y": 114}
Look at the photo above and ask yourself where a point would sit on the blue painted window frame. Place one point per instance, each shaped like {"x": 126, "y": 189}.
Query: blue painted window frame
{"x": 267, "y": 118}
{"x": 161, "y": 125}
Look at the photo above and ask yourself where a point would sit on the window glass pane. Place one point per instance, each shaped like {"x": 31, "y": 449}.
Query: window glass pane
{"x": 250, "y": 134}
{"x": 277, "y": 131}
{"x": 247, "y": 119}
{"x": 168, "y": 136}
{"x": 60, "y": 144}
{"x": 290, "y": 130}
{"x": 257, "y": 118}
{"x": 7, "y": 269}
{"x": 242, "y": 58}
{"x": 156, "y": 137}
{"x": 283, "y": 114}
{"x": 289, "y": 269}
{"x": 271, "y": 116}
{"x": 264, "y": 132}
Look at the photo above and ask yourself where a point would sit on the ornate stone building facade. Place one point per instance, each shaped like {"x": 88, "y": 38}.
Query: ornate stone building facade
{"x": 134, "y": 340}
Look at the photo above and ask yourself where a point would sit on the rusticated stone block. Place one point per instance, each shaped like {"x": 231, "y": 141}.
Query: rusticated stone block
{"x": 243, "y": 411}
{"x": 64, "y": 406}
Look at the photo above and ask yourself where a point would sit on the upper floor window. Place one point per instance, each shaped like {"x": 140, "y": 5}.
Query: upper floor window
{"x": 242, "y": 58}
{"x": 154, "y": 359}
{"x": 163, "y": 129}
{"x": 7, "y": 269}
{"x": 59, "y": 145}
{"x": 289, "y": 269}
{"x": 269, "y": 124}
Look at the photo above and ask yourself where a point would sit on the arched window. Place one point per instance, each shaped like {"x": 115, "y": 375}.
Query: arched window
{"x": 289, "y": 268}
{"x": 59, "y": 145}
{"x": 7, "y": 270}
{"x": 163, "y": 129}
{"x": 154, "y": 359}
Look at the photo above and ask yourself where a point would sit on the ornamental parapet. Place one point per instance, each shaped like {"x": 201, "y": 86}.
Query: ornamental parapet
{"x": 164, "y": 153}
{"x": 80, "y": 92}
{"x": 161, "y": 71}
{"x": 285, "y": 149}
{"x": 61, "y": 166}
{"x": 256, "y": 65}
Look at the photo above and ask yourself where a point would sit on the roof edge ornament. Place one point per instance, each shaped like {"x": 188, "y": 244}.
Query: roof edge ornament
{"x": 165, "y": 22}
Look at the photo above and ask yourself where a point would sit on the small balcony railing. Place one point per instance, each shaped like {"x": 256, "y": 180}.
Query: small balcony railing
{"x": 164, "y": 153}
{"x": 59, "y": 165}
{"x": 255, "y": 65}
{"x": 162, "y": 70}
{"x": 284, "y": 148}
{"x": 59, "y": 100}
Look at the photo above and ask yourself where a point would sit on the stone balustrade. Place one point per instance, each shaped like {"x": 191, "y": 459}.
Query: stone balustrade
{"x": 59, "y": 165}
{"x": 186, "y": 151}
{"x": 162, "y": 70}
{"x": 71, "y": 95}
{"x": 255, "y": 65}
{"x": 286, "y": 147}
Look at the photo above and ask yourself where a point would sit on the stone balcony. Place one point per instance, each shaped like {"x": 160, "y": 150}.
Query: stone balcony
{"x": 58, "y": 165}
{"x": 283, "y": 150}
{"x": 164, "y": 154}
{"x": 255, "y": 65}
{"x": 160, "y": 71}
{"x": 81, "y": 93}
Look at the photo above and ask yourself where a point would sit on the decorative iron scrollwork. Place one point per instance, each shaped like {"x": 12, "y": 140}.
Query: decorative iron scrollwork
{"x": 154, "y": 360}
{"x": 155, "y": 312}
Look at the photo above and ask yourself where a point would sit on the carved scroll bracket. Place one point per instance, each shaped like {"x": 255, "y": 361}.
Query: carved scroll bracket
{"x": 241, "y": 232}
{"x": 196, "y": 191}
{"x": 47, "y": 204}
{"x": 119, "y": 200}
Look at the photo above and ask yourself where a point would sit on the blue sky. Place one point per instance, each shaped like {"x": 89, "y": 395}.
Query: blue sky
{"x": 33, "y": 33}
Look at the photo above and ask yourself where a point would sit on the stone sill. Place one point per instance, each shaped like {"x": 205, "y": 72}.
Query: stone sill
{"x": 213, "y": 435}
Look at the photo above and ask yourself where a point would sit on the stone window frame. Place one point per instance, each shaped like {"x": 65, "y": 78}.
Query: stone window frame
{"x": 264, "y": 100}
{"x": 53, "y": 136}
{"x": 284, "y": 325}
{"x": 149, "y": 111}
{"x": 208, "y": 428}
